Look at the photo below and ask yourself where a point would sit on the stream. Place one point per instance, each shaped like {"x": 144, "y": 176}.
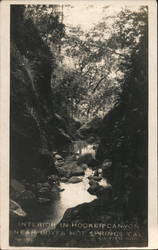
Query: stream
{"x": 72, "y": 195}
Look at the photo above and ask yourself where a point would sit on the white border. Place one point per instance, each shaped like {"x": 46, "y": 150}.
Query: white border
{"x": 152, "y": 120}
{"x": 4, "y": 116}
{"x": 4, "y": 123}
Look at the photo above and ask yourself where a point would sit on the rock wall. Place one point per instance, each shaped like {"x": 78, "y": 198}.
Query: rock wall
{"x": 124, "y": 139}
{"x": 36, "y": 130}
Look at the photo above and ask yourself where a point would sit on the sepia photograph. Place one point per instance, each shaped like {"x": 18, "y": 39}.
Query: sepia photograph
{"x": 79, "y": 125}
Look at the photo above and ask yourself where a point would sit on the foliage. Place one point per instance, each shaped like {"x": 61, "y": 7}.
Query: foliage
{"x": 48, "y": 20}
{"x": 94, "y": 63}
{"x": 33, "y": 120}
{"x": 124, "y": 133}
{"x": 88, "y": 67}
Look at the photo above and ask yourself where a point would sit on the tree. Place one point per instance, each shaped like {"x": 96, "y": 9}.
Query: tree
{"x": 100, "y": 59}
{"x": 49, "y": 21}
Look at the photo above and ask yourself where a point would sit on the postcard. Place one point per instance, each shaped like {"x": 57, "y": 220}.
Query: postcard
{"x": 78, "y": 113}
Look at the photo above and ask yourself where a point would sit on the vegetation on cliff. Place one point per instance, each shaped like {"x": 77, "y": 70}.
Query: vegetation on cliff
{"x": 70, "y": 87}
{"x": 36, "y": 129}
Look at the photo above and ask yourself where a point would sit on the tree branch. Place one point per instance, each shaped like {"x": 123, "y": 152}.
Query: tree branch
{"x": 97, "y": 85}
{"x": 109, "y": 50}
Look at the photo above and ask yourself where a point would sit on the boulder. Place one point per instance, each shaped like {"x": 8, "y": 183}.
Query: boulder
{"x": 64, "y": 172}
{"x": 53, "y": 178}
{"x": 64, "y": 179}
{"x": 44, "y": 190}
{"x": 93, "y": 182}
{"x": 54, "y": 153}
{"x": 58, "y": 157}
{"x": 70, "y": 169}
{"x": 95, "y": 178}
{"x": 94, "y": 187}
{"x": 77, "y": 171}
{"x": 27, "y": 195}
{"x": 84, "y": 166}
{"x": 97, "y": 189}
{"x": 16, "y": 209}
{"x": 100, "y": 171}
{"x": 59, "y": 163}
{"x": 17, "y": 186}
{"x": 105, "y": 192}
{"x": 96, "y": 173}
{"x": 74, "y": 179}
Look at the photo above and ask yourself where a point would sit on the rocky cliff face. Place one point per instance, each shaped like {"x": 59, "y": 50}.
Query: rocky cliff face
{"x": 124, "y": 139}
{"x": 36, "y": 130}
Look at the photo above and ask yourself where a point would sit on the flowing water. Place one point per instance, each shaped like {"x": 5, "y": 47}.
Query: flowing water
{"x": 73, "y": 195}
{"x": 81, "y": 148}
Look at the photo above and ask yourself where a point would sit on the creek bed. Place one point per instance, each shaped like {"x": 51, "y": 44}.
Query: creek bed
{"x": 73, "y": 195}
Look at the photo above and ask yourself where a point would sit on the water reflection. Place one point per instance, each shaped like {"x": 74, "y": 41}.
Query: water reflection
{"x": 73, "y": 195}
